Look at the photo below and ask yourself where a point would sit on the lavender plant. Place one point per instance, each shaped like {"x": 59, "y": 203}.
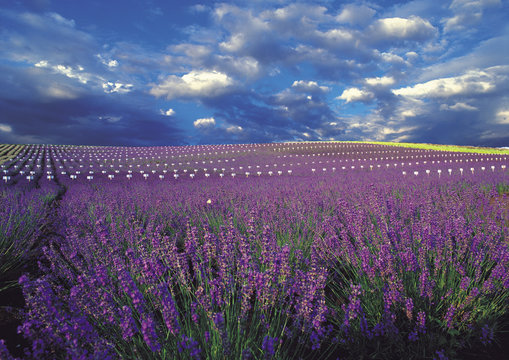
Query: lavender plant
{"x": 22, "y": 216}
{"x": 309, "y": 251}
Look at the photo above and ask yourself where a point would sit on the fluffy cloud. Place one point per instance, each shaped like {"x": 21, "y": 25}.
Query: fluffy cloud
{"x": 471, "y": 83}
{"x": 243, "y": 67}
{"x": 411, "y": 28}
{"x": 466, "y": 13}
{"x": 234, "y": 129}
{"x": 77, "y": 72}
{"x": 116, "y": 87}
{"x": 308, "y": 86}
{"x": 502, "y": 117}
{"x": 250, "y": 33}
{"x": 355, "y": 14}
{"x": 38, "y": 39}
{"x": 109, "y": 63}
{"x": 69, "y": 71}
{"x": 356, "y": 94}
{"x": 486, "y": 54}
{"x": 35, "y": 37}
{"x": 204, "y": 123}
{"x": 459, "y": 106}
{"x": 304, "y": 104}
{"x": 192, "y": 50}
{"x": 231, "y": 61}
{"x": 197, "y": 83}
{"x": 5, "y": 128}
{"x": 169, "y": 112}
{"x": 380, "y": 81}
{"x": 85, "y": 120}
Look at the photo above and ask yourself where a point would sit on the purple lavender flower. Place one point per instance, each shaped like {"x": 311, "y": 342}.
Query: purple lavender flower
{"x": 127, "y": 324}
{"x": 421, "y": 321}
{"x": 148, "y": 329}
{"x": 221, "y": 326}
{"x": 4, "y": 352}
{"x": 169, "y": 310}
{"x": 268, "y": 346}
{"x": 409, "y": 306}
{"x": 440, "y": 355}
{"x": 191, "y": 345}
{"x": 354, "y": 307}
{"x": 465, "y": 282}
{"x": 487, "y": 335}
{"x": 449, "y": 316}
{"x": 426, "y": 283}
{"x": 364, "y": 327}
{"x": 413, "y": 335}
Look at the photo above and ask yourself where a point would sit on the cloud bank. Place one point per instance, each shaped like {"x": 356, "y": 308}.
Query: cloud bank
{"x": 254, "y": 71}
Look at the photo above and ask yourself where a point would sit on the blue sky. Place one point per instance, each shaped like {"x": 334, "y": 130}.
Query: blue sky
{"x": 148, "y": 72}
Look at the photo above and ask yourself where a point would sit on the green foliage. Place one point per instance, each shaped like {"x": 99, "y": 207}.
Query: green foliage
{"x": 23, "y": 217}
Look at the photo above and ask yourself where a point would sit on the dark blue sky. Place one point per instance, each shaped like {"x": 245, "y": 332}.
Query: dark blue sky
{"x": 149, "y": 72}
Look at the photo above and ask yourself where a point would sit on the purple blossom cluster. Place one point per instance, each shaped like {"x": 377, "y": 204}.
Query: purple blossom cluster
{"x": 339, "y": 252}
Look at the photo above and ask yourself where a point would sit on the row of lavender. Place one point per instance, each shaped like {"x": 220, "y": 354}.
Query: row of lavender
{"x": 345, "y": 265}
{"x": 23, "y": 212}
{"x": 176, "y": 163}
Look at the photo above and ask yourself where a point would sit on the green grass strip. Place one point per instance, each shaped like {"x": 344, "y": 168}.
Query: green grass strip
{"x": 9, "y": 151}
{"x": 455, "y": 148}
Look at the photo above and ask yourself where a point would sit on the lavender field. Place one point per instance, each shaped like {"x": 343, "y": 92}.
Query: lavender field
{"x": 257, "y": 251}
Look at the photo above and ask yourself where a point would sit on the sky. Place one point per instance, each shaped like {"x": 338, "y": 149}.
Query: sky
{"x": 150, "y": 73}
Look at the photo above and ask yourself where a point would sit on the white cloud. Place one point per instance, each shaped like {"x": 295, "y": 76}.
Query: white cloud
{"x": 43, "y": 36}
{"x": 388, "y": 131}
{"x": 390, "y": 57}
{"x": 109, "y": 63}
{"x": 338, "y": 36}
{"x": 169, "y": 112}
{"x": 59, "y": 91}
{"x": 405, "y": 109}
{"x": 234, "y": 44}
{"x": 355, "y": 94}
{"x": 116, "y": 87}
{"x": 458, "y": 22}
{"x": 42, "y": 64}
{"x": 460, "y": 106}
{"x": 245, "y": 66}
{"x": 72, "y": 73}
{"x": 408, "y": 113}
{"x": 411, "y": 55}
{"x": 380, "y": 81}
{"x": 355, "y": 14}
{"x": 204, "y": 123}
{"x": 309, "y": 86}
{"x": 234, "y": 129}
{"x": 197, "y": 83}
{"x": 502, "y": 117}
{"x": 5, "y": 128}
{"x": 112, "y": 63}
{"x": 192, "y": 50}
{"x": 412, "y": 28}
{"x": 62, "y": 91}
{"x": 60, "y": 19}
{"x": 492, "y": 53}
{"x": 300, "y": 11}
{"x": 69, "y": 71}
{"x": 466, "y": 13}
{"x": 473, "y": 82}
